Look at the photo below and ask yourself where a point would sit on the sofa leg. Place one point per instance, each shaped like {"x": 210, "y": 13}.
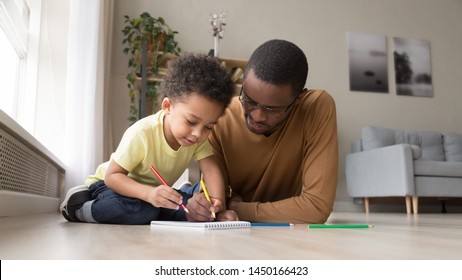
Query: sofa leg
{"x": 415, "y": 204}
{"x": 443, "y": 206}
{"x": 366, "y": 205}
{"x": 408, "y": 204}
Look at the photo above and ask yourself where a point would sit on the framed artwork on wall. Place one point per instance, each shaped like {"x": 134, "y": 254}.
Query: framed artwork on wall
{"x": 413, "y": 73}
{"x": 368, "y": 63}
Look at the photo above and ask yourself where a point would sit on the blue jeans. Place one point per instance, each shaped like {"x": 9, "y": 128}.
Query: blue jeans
{"x": 112, "y": 208}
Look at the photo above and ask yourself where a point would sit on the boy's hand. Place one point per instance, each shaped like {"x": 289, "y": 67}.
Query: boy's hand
{"x": 164, "y": 196}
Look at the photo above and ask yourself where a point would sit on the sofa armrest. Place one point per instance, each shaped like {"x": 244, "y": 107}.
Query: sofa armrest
{"x": 386, "y": 171}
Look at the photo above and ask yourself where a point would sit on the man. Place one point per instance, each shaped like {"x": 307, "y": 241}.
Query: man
{"x": 277, "y": 143}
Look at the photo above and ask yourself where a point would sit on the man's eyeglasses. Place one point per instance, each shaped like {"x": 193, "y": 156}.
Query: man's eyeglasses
{"x": 275, "y": 111}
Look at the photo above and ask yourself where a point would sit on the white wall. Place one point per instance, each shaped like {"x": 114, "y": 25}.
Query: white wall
{"x": 320, "y": 28}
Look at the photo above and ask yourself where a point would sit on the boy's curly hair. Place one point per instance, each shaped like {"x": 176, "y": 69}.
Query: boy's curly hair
{"x": 200, "y": 74}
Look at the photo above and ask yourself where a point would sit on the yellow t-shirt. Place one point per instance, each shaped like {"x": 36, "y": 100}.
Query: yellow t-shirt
{"x": 144, "y": 144}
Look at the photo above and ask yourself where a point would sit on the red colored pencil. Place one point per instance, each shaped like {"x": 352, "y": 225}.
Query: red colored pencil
{"x": 165, "y": 183}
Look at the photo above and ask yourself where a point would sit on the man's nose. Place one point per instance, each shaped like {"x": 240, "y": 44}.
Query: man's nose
{"x": 258, "y": 114}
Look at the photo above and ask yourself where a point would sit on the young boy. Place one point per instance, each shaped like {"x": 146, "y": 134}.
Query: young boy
{"x": 124, "y": 190}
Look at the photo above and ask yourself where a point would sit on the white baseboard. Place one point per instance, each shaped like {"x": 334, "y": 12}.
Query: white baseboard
{"x": 15, "y": 203}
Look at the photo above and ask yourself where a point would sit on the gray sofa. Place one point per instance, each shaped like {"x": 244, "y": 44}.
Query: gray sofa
{"x": 394, "y": 163}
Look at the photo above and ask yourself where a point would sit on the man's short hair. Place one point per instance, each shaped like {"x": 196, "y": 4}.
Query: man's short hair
{"x": 279, "y": 62}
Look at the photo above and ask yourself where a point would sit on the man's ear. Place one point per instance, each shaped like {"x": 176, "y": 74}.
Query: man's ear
{"x": 166, "y": 105}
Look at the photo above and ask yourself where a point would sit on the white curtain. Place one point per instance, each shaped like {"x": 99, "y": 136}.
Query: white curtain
{"x": 88, "y": 56}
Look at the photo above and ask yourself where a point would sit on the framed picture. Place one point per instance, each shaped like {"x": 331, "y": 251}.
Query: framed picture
{"x": 368, "y": 64}
{"x": 412, "y": 67}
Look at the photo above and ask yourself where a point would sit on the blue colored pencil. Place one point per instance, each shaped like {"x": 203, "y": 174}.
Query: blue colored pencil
{"x": 271, "y": 224}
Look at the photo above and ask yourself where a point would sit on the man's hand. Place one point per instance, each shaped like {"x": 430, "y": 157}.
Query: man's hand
{"x": 200, "y": 209}
{"x": 233, "y": 201}
{"x": 227, "y": 215}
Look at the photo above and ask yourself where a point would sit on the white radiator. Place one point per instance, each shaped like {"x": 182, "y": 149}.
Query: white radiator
{"x": 31, "y": 178}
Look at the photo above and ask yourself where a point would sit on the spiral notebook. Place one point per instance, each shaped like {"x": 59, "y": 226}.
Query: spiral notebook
{"x": 202, "y": 225}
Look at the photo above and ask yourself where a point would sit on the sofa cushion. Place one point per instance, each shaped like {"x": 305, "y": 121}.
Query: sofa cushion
{"x": 437, "y": 168}
{"x": 374, "y": 137}
{"x": 431, "y": 144}
{"x": 453, "y": 146}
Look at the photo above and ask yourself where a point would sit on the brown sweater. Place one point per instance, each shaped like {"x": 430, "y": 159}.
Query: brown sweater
{"x": 290, "y": 176}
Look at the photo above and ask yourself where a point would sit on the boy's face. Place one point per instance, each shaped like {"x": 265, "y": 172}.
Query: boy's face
{"x": 190, "y": 120}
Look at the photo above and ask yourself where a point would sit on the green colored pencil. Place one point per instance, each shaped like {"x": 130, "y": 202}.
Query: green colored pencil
{"x": 339, "y": 226}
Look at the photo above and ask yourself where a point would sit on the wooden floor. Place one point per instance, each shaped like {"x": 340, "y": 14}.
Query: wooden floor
{"x": 394, "y": 236}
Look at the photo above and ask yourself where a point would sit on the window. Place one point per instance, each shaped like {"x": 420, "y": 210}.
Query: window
{"x": 9, "y": 74}
{"x": 19, "y": 29}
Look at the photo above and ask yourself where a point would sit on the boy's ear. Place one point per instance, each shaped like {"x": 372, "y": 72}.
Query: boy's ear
{"x": 166, "y": 105}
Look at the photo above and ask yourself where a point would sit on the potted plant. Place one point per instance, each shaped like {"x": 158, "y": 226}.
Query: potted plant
{"x": 155, "y": 37}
